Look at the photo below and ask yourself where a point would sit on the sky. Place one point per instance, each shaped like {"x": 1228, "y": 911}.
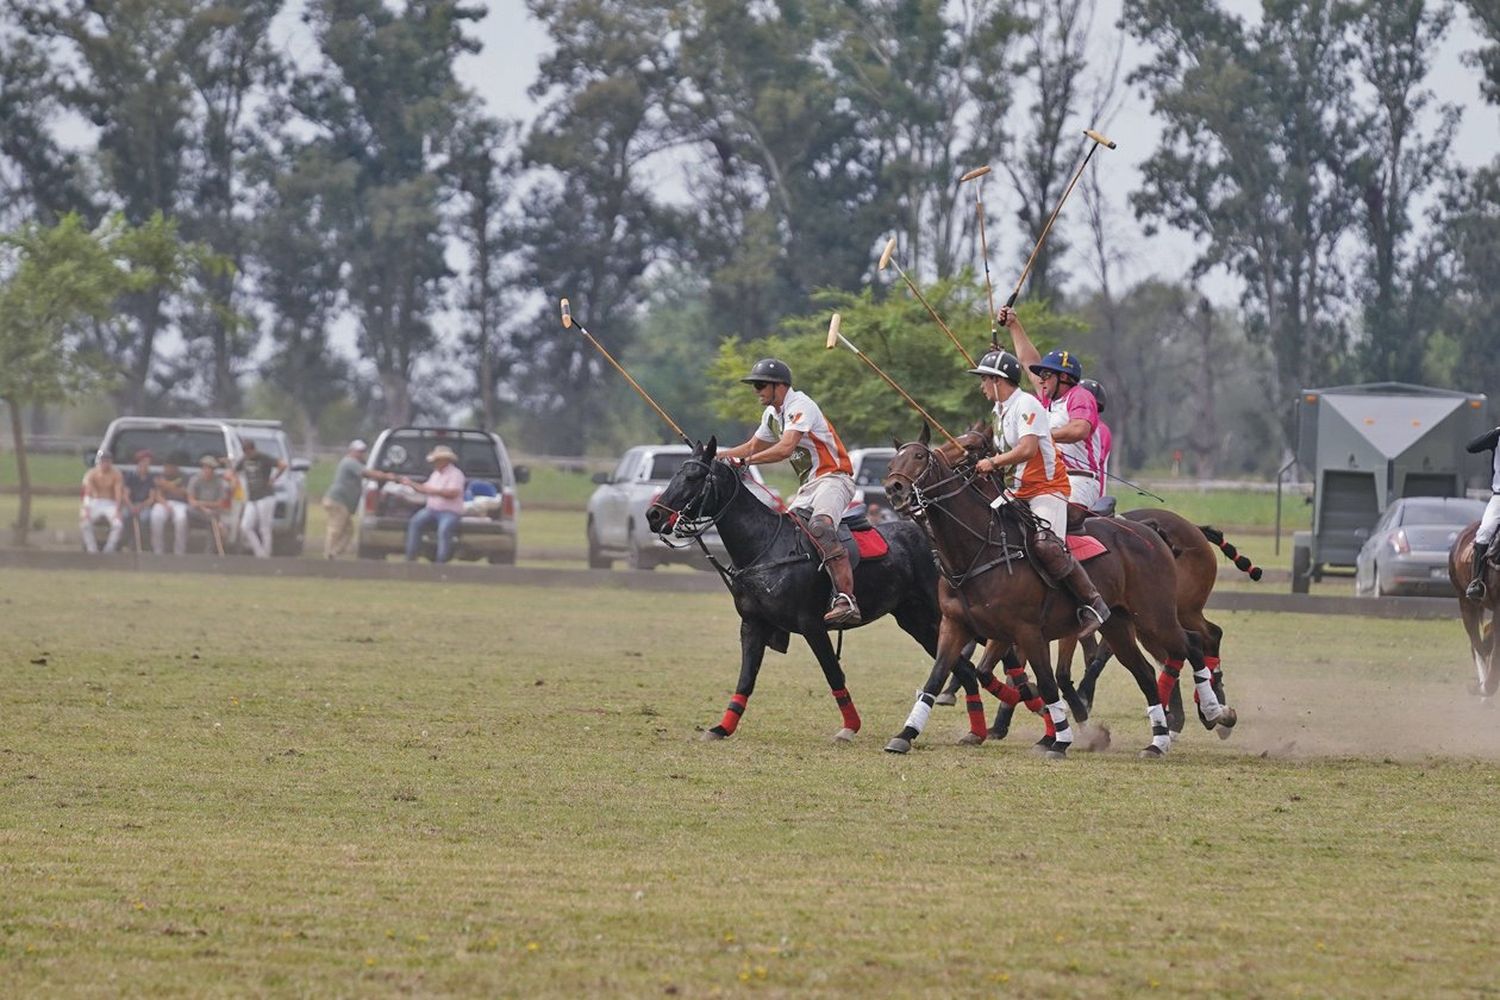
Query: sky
{"x": 514, "y": 43}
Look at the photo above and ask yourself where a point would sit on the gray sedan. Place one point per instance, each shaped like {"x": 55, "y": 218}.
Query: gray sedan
{"x": 1407, "y": 551}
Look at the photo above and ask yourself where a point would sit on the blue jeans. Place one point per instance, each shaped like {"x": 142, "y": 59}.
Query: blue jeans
{"x": 447, "y": 528}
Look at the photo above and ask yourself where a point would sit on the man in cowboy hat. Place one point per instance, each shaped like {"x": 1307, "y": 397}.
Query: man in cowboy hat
{"x": 794, "y": 428}
{"x": 445, "y": 504}
{"x": 1072, "y": 410}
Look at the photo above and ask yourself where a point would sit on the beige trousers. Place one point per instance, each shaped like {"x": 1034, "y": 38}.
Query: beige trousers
{"x": 340, "y": 528}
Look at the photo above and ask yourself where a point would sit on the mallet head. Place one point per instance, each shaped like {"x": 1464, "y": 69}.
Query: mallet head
{"x": 833, "y": 332}
{"x": 972, "y": 174}
{"x": 567, "y": 316}
{"x": 1100, "y": 138}
{"x": 885, "y": 255}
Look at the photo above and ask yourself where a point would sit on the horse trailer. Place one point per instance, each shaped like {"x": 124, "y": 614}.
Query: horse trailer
{"x": 1366, "y": 445}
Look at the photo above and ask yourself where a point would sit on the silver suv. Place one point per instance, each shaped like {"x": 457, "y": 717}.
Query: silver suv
{"x": 487, "y": 529}
{"x": 617, "y": 511}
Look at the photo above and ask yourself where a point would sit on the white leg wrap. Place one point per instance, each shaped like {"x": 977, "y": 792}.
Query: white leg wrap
{"x": 1208, "y": 702}
{"x": 920, "y": 711}
{"x": 1058, "y": 710}
{"x": 1159, "y": 736}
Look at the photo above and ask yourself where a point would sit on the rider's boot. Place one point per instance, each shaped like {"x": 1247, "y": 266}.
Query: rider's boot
{"x": 1476, "y": 574}
{"x": 1059, "y": 564}
{"x": 843, "y": 612}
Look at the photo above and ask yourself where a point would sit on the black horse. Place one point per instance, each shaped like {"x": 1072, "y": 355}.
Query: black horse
{"x": 779, "y": 588}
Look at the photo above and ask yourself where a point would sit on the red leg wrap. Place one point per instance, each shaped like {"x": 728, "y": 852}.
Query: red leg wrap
{"x": 846, "y": 707}
{"x": 1007, "y": 694}
{"x": 1167, "y": 680}
{"x": 1039, "y": 707}
{"x": 731, "y": 720}
{"x": 977, "y": 724}
{"x": 1051, "y": 729}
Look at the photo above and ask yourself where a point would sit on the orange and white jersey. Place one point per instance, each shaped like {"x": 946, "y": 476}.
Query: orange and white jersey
{"x": 1020, "y": 416}
{"x": 819, "y": 452}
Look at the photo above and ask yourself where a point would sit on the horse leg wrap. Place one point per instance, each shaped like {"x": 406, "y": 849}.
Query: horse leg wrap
{"x": 846, "y": 708}
{"x": 1024, "y": 689}
{"x": 978, "y": 725}
{"x": 1203, "y": 694}
{"x": 1007, "y": 694}
{"x": 920, "y": 711}
{"x": 1057, "y": 715}
{"x": 1167, "y": 680}
{"x": 1160, "y": 737}
{"x": 731, "y": 720}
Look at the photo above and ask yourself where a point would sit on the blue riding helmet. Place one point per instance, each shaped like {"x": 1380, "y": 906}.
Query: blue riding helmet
{"x": 1002, "y": 364}
{"x": 1061, "y": 362}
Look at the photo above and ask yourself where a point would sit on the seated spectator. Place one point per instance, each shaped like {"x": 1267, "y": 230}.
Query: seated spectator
{"x": 103, "y": 496}
{"x": 445, "y": 504}
{"x": 170, "y": 499}
{"x": 140, "y": 489}
{"x": 209, "y": 496}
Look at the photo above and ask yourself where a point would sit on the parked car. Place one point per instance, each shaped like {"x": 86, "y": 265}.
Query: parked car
{"x": 1407, "y": 551}
{"x": 616, "y": 527}
{"x": 488, "y": 529}
{"x": 289, "y": 523}
{"x": 870, "y": 465}
{"x": 185, "y": 441}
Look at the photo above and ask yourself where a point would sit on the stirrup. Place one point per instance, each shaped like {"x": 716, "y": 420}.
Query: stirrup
{"x": 1476, "y": 589}
{"x": 1089, "y": 621}
{"x": 848, "y": 614}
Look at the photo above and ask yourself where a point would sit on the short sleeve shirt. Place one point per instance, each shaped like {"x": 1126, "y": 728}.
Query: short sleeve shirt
{"x": 450, "y": 478}
{"x": 258, "y": 469}
{"x": 209, "y": 489}
{"x": 819, "y": 452}
{"x": 1022, "y": 415}
{"x": 138, "y": 487}
{"x": 1076, "y": 404}
{"x": 347, "y": 482}
{"x": 172, "y": 487}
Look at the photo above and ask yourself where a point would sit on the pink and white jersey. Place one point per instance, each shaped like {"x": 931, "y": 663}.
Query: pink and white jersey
{"x": 819, "y": 452}
{"x": 1019, "y": 416}
{"x": 1076, "y": 404}
{"x": 1102, "y": 441}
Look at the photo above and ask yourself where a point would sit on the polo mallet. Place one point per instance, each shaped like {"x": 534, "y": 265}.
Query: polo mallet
{"x": 1096, "y": 140}
{"x": 569, "y": 322}
{"x": 213, "y": 523}
{"x": 835, "y": 337}
{"x": 984, "y": 245}
{"x": 886, "y": 258}
{"x": 135, "y": 526}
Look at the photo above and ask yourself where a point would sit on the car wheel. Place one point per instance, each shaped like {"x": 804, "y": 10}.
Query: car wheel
{"x": 597, "y": 558}
{"x": 636, "y": 556}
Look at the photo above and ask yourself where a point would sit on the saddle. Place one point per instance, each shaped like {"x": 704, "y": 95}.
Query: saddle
{"x": 1077, "y": 513}
{"x": 859, "y": 537}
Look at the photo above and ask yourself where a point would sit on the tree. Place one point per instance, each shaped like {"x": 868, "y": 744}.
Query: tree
{"x": 39, "y": 179}
{"x": 56, "y": 280}
{"x": 1487, "y": 18}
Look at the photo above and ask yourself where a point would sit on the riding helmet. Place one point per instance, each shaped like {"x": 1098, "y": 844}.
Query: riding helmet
{"x": 1001, "y": 363}
{"x": 1093, "y": 386}
{"x": 1061, "y": 362}
{"x": 769, "y": 370}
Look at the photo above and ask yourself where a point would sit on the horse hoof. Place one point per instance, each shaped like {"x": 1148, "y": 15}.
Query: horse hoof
{"x": 1152, "y": 752}
{"x": 945, "y": 699}
{"x": 715, "y": 733}
{"x": 898, "y": 745}
{"x": 999, "y": 732}
{"x": 1044, "y": 744}
{"x": 1058, "y": 751}
{"x": 845, "y": 735}
{"x": 1227, "y": 719}
{"x": 970, "y": 740}
{"x": 1204, "y": 719}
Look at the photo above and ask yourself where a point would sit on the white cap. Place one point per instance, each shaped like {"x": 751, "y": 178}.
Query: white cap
{"x": 358, "y": 444}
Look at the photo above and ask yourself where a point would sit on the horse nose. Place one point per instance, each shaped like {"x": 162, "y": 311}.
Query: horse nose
{"x": 653, "y": 519}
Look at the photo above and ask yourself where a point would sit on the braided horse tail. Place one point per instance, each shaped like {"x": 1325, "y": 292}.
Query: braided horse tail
{"x": 1242, "y": 563}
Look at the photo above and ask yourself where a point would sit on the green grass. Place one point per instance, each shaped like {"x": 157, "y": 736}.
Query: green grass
{"x": 420, "y": 788}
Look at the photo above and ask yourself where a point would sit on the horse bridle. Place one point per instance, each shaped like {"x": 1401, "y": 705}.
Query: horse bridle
{"x": 689, "y": 522}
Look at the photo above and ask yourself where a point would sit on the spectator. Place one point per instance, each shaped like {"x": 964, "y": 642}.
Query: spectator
{"x": 445, "y": 504}
{"x": 170, "y": 499}
{"x": 342, "y": 498}
{"x": 140, "y": 489}
{"x": 261, "y": 472}
{"x": 103, "y": 496}
{"x": 209, "y": 495}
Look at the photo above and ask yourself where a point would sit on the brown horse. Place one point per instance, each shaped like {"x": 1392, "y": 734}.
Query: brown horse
{"x": 989, "y": 588}
{"x": 1479, "y": 616}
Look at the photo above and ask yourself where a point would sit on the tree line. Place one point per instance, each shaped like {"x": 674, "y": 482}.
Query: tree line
{"x": 706, "y": 179}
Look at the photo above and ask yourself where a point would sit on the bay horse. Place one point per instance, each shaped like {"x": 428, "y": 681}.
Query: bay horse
{"x": 989, "y": 588}
{"x": 779, "y": 588}
{"x": 1478, "y": 616}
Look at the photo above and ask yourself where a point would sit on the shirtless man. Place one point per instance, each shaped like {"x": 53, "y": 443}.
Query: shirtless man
{"x": 103, "y": 495}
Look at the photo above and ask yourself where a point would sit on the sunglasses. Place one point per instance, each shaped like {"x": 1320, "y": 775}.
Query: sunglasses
{"x": 758, "y": 386}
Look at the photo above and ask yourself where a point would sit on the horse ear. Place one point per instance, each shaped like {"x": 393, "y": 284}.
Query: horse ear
{"x": 711, "y": 448}
{"x": 895, "y": 442}
{"x": 926, "y": 436}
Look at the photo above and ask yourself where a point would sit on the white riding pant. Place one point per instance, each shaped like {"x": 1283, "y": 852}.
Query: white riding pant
{"x": 177, "y": 510}
{"x": 255, "y": 524}
{"x": 1489, "y": 522}
{"x": 827, "y": 494}
{"x": 1052, "y": 509}
{"x": 1084, "y": 490}
{"x": 96, "y": 509}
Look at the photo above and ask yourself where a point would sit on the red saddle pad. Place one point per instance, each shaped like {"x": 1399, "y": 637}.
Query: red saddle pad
{"x": 871, "y": 544}
{"x": 1085, "y": 547}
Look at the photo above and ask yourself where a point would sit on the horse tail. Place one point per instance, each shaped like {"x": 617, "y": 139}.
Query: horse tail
{"x": 1241, "y": 563}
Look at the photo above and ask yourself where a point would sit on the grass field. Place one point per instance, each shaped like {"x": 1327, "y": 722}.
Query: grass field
{"x": 231, "y": 786}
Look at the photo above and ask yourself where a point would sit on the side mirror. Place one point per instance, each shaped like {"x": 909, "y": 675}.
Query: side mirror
{"x": 600, "y": 479}
{"x": 301, "y": 465}
{"x": 522, "y": 474}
